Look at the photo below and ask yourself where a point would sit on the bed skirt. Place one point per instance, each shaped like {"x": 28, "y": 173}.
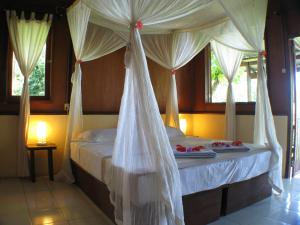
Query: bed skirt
{"x": 199, "y": 208}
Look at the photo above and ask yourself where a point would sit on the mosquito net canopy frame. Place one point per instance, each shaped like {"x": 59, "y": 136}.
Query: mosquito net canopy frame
{"x": 171, "y": 33}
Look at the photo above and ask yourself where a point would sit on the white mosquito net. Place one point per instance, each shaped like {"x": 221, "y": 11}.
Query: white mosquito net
{"x": 170, "y": 32}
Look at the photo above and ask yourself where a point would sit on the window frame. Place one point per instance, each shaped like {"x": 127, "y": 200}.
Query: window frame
{"x": 48, "y": 70}
{"x": 242, "y": 108}
{"x": 208, "y": 85}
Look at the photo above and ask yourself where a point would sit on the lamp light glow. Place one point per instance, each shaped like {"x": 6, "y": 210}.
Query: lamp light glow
{"x": 41, "y": 133}
{"x": 183, "y": 125}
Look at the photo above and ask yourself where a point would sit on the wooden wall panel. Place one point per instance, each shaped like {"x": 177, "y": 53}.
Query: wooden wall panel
{"x": 160, "y": 82}
{"x": 291, "y": 12}
{"x": 278, "y": 76}
{"x": 103, "y": 82}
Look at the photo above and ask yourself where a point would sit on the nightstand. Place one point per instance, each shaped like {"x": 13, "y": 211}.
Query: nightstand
{"x": 31, "y": 148}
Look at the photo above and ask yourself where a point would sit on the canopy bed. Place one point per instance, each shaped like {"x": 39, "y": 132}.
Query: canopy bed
{"x": 171, "y": 33}
{"x": 210, "y": 186}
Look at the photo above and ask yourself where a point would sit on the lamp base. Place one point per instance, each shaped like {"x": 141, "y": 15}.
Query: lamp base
{"x": 41, "y": 144}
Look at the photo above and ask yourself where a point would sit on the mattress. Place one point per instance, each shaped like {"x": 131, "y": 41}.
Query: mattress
{"x": 196, "y": 174}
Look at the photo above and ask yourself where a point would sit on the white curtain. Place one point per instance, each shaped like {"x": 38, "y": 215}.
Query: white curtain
{"x": 89, "y": 42}
{"x": 145, "y": 183}
{"x": 250, "y": 17}
{"x": 173, "y": 51}
{"x": 28, "y": 38}
{"x": 142, "y": 148}
{"x": 230, "y": 61}
{"x": 157, "y": 15}
{"x": 227, "y": 34}
{"x": 172, "y": 111}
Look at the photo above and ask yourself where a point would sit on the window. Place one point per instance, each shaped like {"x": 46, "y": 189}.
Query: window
{"x": 37, "y": 80}
{"x": 244, "y": 82}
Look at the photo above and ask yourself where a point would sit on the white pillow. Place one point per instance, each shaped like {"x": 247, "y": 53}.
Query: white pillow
{"x": 174, "y": 132}
{"x": 98, "y": 135}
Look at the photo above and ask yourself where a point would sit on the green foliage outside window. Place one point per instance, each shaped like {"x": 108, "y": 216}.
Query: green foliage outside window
{"x": 36, "y": 79}
{"x": 245, "y": 89}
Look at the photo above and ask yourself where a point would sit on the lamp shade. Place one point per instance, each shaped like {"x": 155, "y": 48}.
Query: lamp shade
{"x": 41, "y": 133}
{"x": 183, "y": 125}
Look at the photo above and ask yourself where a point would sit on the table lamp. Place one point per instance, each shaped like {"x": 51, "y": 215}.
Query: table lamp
{"x": 41, "y": 133}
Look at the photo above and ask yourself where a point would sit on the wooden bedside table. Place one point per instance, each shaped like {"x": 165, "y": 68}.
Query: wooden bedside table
{"x": 34, "y": 147}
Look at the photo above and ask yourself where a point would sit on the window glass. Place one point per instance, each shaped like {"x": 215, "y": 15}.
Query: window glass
{"x": 244, "y": 82}
{"x": 36, "y": 79}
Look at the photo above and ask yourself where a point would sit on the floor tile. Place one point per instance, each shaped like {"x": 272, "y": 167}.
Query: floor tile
{"x": 262, "y": 221}
{"x": 223, "y": 221}
{"x": 9, "y": 186}
{"x": 286, "y": 216}
{"x": 15, "y": 219}
{"x": 57, "y": 223}
{"x": 60, "y": 186}
{"x": 257, "y": 211}
{"x": 90, "y": 221}
{"x": 40, "y": 200}
{"x": 71, "y": 197}
{"x": 51, "y": 203}
{"x": 14, "y": 203}
{"x": 79, "y": 212}
{"x": 39, "y": 185}
{"x": 45, "y": 216}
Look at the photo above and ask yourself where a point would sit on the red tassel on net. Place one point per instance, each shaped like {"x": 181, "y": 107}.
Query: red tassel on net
{"x": 79, "y": 61}
{"x": 173, "y": 71}
{"x": 139, "y": 25}
{"x": 263, "y": 53}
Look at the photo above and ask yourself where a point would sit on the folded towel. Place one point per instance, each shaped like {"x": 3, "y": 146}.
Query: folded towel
{"x": 193, "y": 152}
{"x": 225, "y": 147}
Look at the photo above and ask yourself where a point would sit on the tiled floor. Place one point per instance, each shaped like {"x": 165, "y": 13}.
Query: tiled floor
{"x": 276, "y": 210}
{"x": 47, "y": 203}
{"x": 50, "y": 203}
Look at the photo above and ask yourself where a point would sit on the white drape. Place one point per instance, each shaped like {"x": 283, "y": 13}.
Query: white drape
{"x": 28, "y": 38}
{"x": 249, "y": 17}
{"x": 227, "y": 34}
{"x": 172, "y": 111}
{"x": 173, "y": 51}
{"x": 142, "y": 148}
{"x": 230, "y": 61}
{"x": 89, "y": 42}
{"x": 155, "y": 14}
{"x": 142, "y": 161}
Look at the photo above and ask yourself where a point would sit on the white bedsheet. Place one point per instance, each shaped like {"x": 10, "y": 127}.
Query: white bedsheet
{"x": 196, "y": 174}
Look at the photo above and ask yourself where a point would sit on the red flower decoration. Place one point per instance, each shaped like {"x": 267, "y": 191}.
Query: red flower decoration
{"x": 237, "y": 143}
{"x": 263, "y": 53}
{"x": 180, "y": 148}
{"x": 218, "y": 144}
{"x": 139, "y": 25}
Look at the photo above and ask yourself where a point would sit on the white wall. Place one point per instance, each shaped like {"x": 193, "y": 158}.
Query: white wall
{"x": 204, "y": 125}
{"x": 213, "y": 126}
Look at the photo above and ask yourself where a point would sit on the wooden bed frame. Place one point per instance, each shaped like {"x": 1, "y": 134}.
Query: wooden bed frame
{"x": 199, "y": 208}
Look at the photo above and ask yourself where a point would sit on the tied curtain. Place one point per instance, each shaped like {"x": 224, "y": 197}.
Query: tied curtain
{"x": 28, "y": 38}
{"x": 89, "y": 42}
{"x": 142, "y": 145}
{"x": 230, "y": 61}
{"x": 173, "y": 51}
{"x": 249, "y": 17}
